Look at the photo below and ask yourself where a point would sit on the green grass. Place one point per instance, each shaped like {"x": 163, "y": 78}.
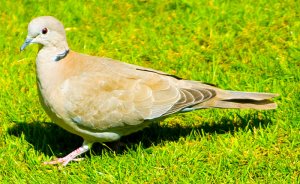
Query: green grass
{"x": 240, "y": 45}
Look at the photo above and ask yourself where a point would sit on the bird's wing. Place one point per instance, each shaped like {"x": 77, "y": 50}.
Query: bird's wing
{"x": 118, "y": 94}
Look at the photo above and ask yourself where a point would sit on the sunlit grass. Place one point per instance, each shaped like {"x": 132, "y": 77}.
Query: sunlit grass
{"x": 239, "y": 45}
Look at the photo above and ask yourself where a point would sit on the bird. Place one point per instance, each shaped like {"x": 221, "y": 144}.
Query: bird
{"x": 102, "y": 99}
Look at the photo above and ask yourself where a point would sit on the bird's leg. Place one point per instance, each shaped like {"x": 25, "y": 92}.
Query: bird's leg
{"x": 65, "y": 160}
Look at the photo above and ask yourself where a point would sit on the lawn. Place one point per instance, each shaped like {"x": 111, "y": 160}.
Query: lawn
{"x": 239, "y": 45}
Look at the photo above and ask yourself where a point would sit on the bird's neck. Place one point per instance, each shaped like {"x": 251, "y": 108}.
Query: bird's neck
{"x": 54, "y": 52}
{"x": 49, "y": 64}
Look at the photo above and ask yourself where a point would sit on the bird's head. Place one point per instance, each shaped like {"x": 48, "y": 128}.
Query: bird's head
{"x": 47, "y": 31}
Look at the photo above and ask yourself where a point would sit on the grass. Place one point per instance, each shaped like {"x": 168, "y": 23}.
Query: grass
{"x": 240, "y": 45}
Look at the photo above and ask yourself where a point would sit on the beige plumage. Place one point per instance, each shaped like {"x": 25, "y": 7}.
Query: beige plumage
{"x": 101, "y": 99}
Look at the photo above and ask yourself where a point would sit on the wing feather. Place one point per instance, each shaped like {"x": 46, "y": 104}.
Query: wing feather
{"x": 191, "y": 97}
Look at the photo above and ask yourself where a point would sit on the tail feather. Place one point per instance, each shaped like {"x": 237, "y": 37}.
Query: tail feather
{"x": 249, "y": 95}
{"x": 240, "y": 100}
{"x": 246, "y": 104}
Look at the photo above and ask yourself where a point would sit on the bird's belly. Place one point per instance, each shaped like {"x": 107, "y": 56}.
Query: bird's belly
{"x": 60, "y": 117}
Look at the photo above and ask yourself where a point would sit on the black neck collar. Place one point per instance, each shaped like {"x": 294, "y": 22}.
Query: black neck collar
{"x": 61, "y": 55}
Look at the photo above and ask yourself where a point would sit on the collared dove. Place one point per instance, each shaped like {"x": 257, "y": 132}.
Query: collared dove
{"x": 101, "y": 99}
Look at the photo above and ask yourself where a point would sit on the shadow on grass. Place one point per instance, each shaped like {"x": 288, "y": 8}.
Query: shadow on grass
{"x": 52, "y": 140}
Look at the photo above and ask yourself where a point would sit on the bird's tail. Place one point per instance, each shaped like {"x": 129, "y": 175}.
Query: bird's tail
{"x": 240, "y": 100}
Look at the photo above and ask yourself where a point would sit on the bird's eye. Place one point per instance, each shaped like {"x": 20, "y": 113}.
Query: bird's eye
{"x": 44, "y": 31}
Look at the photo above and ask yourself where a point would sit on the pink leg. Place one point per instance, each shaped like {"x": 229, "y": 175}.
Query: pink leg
{"x": 65, "y": 160}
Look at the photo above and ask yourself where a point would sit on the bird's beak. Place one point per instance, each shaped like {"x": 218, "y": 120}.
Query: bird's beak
{"x": 26, "y": 43}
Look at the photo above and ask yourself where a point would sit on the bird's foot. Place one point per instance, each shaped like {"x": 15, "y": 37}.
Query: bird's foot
{"x": 72, "y": 156}
{"x": 64, "y": 161}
